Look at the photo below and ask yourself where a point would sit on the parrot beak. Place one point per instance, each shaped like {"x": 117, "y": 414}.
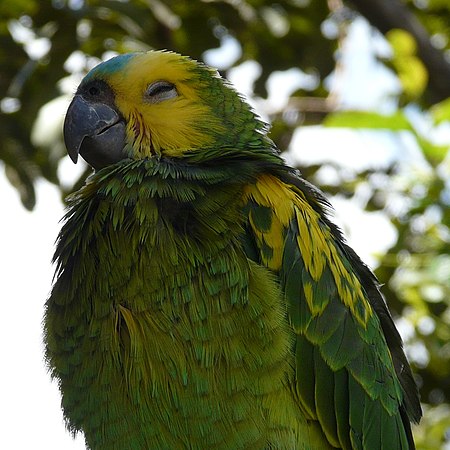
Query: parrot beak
{"x": 95, "y": 131}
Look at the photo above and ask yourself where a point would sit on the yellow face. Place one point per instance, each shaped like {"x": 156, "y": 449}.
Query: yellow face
{"x": 161, "y": 119}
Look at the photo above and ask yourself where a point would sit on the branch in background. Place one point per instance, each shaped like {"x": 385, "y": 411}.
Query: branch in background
{"x": 389, "y": 14}
{"x": 301, "y": 110}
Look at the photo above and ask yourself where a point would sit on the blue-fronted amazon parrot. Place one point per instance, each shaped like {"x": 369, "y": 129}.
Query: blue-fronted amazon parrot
{"x": 203, "y": 299}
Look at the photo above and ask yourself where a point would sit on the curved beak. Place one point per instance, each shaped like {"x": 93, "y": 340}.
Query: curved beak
{"x": 94, "y": 130}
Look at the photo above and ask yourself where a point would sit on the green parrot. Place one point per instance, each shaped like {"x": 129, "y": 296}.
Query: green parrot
{"x": 202, "y": 297}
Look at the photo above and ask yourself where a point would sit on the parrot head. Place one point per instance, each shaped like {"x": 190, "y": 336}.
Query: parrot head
{"x": 156, "y": 104}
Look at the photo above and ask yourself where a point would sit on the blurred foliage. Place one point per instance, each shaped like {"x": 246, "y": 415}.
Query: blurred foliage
{"x": 410, "y": 69}
{"x": 434, "y": 14}
{"x": 46, "y": 46}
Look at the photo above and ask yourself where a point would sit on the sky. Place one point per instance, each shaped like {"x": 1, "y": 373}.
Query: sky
{"x": 31, "y": 416}
{"x": 30, "y": 403}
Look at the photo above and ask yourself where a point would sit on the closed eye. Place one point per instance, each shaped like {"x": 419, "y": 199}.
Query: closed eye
{"x": 159, "y": 91}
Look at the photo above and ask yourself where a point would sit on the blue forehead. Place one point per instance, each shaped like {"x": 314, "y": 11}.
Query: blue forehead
{"x": 109, "y": 67}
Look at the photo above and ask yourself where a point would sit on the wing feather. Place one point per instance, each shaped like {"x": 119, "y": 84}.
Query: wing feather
{"x": 304, "y": 356}
{"x": 324, "y": 397}
{"x": 346, "y": 377}
{"x": 341, "y": 407}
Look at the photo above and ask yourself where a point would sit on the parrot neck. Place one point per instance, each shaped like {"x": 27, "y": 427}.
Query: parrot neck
{"x": 198, "y": 205}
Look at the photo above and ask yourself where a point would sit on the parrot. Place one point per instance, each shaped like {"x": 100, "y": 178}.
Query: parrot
{"x": 203, "y": 298}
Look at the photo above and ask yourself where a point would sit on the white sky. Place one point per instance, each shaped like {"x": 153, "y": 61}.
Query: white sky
{"x": 29, "y": 402}
{"x": 31, "y": 416}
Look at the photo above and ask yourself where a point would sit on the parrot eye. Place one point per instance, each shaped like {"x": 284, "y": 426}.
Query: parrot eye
{"x": 160, "y": 91}
{"x": 94, "y": 91}
{"x": 97, "y": 91}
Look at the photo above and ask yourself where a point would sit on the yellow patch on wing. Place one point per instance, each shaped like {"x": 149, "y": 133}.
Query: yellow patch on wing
{"x": 318, "y": 250}
{"x": 172, "y": 126}
{"x": 317, "y": 245}
{"x": 272, "y": 193}
{"x": 311, "y": 240}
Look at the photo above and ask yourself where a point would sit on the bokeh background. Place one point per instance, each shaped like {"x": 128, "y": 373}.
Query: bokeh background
{"x": 357, "y": 95}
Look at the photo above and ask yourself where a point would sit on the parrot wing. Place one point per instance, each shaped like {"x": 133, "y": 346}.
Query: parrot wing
{"x": 352, "y": 376}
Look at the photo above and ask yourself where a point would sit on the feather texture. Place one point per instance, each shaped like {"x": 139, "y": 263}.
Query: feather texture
{"x": 341, "y": 350}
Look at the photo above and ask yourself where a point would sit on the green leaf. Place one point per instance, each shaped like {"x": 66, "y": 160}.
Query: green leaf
{"x": 366, "y": 119}
{"x": 441, "y": 111}
{"x": 433, "y": 152}
{"x": 411, "y": 71}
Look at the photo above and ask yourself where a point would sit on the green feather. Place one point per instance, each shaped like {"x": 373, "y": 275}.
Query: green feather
{"x": 341, "y": 407}
{"x": 305, "y": 385}
{"x": 324, "y": 398}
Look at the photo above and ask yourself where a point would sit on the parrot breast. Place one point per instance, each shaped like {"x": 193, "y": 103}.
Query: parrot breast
{"x": 162, "y": 332}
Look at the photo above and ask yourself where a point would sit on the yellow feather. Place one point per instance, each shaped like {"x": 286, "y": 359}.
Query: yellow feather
{"x": 271, "y": 192}
{"x": 315, "y": 241}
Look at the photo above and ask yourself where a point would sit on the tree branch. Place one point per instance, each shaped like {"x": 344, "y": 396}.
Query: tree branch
{"x": 389, "y": 14}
